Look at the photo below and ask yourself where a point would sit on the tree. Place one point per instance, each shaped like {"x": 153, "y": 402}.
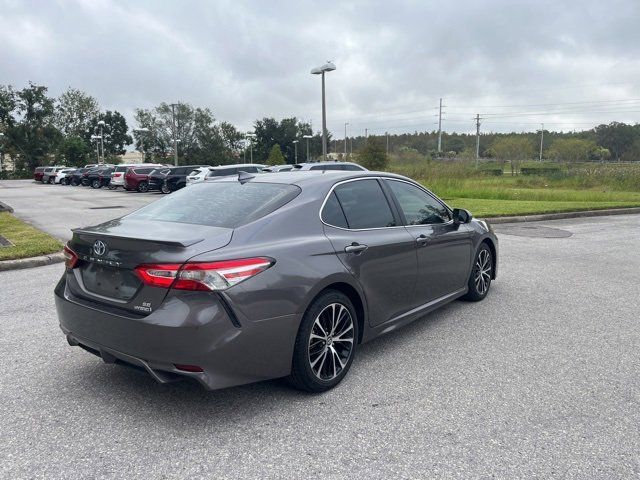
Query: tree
{"x": 572, "y": 149}
{"x": 270, "y": 132}
{"x": 616, "y": 137}
{"x": 115, "y": 132}
{"x": 373, "y": 155}
{"x": 633, "y": 153}
{"x": 200, "y": 139}
{"x": 73, "y": 151}
{"x": 31, "y": 137}
{"x": 275, "y": 156}
{"x": 513, "y": 148}
{"x": 75, "y": 111}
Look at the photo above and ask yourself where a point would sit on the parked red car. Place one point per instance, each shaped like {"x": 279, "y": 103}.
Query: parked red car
{"x": 137, "y": 178}
{"x": 37, "y": 174}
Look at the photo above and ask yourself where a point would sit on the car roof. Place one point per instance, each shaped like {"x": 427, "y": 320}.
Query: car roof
{"x": 237, "y": 165}
{"x": 313, "y": 177}
{"x": 304, "y": 165}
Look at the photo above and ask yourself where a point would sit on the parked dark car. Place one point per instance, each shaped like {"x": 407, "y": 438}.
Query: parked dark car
{"x": 88, "y": 176}
{"x": 38, "y": 173}
{"x": 137, "y": 178}
{"x": 156, "y": 178}
{"x": 100, "y": 177}
{"x": 262, "y": 276}
{"x": 176, "y": 178}
{"x": 75, "y": 178}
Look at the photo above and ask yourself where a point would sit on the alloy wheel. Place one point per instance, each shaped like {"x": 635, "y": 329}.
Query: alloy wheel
{"x": 482, "y": 277}
{"x": 331, "y": 341}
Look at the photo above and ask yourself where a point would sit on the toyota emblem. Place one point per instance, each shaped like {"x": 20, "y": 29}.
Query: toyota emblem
{"x": 99, "y": 247}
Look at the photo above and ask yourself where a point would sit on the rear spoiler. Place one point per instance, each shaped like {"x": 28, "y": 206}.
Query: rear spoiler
{"x": 163, "y": 241}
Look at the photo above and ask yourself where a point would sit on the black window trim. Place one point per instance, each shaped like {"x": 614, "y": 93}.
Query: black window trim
{"x": 420, "y": 187}
{"x": 390, "y": 201}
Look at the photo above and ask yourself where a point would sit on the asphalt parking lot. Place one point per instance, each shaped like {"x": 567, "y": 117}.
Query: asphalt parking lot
{"x": 539, "y": 380}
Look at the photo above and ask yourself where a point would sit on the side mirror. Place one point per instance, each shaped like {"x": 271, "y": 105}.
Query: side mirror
{"x": 460, "y": 215}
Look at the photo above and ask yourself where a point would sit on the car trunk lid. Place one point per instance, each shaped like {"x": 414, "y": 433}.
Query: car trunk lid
{"x": 110, "y": 252}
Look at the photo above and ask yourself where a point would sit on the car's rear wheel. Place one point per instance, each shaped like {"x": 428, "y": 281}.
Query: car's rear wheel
{"x": 165, "y": 188}
{"x": 143, "y": 187}
{"x": 325, "y": 344}
{"x": 51, "y": 180}
{"x": 113, "y": 187}
{"x": 480, "y": 279}
{"x": 96, "y": 184}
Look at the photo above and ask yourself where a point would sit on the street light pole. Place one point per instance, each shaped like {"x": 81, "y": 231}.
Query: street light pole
{"x": 541, "y": 139}
{"x": 327, "y": 67}
{"x": 250, "y": 136}
{"x": 307, "y": 137}
{"x": 345, "y": 141}
{"x": 295, "y": 147}
{"x": 175, "y": 140}
{"x": 101, "y": 124}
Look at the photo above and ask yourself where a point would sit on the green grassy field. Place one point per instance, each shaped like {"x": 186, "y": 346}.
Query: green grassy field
{"x": 27, "y": 241}
{"x": 572, "y": 188}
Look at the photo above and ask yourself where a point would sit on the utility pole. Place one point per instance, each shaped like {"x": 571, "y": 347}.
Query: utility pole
{"x": 440, "y": 128}
{"x": 366, "y": 133}
{"x": 175, "y": 140}
{"x": 295, "y": 146}
{"x": 387, "y": 143}
{"x": 477, "y": 139}
{"x": 541, "y": 140}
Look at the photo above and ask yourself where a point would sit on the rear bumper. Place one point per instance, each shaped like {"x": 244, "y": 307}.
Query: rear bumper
{"x": 191, "y": 328}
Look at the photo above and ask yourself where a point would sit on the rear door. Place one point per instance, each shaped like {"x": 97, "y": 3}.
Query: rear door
{"x": 443, "y": 248}
{"x": 371, "y": 242}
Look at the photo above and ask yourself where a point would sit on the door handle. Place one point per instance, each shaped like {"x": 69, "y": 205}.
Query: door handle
{"x": 422, "y": 240}
{"x": 355, "y": 248}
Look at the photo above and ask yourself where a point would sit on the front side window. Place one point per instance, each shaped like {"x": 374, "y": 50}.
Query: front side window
{"x": 418, "y": 206}
{"x": 364, "y": 204}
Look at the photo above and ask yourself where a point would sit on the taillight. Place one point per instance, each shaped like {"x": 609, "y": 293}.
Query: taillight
{"x": 70, "y": 258}
{"x": 209, "y": 276}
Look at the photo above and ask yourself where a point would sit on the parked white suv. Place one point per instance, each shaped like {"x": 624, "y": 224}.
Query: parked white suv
{"x": 117, "y": 176}
{"x": 202, "y": 173}
{"x": 61, "y": 176}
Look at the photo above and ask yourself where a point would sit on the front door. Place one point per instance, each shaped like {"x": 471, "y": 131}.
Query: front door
{"x": 369, "y": 239}
{"x": 443, "y": 248}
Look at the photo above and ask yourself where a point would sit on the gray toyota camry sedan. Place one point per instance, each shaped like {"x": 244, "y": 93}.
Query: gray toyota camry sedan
{"x": 278, "y": 275}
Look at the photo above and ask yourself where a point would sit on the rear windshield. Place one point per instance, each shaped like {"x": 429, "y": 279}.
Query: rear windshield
{"x": 227, "y": 204}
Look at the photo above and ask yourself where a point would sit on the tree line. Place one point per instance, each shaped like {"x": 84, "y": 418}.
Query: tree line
{"x": 38, "y": 129}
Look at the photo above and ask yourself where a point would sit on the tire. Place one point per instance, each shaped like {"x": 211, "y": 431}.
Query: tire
{"x": 322, "y": 361}
{"x": 481, "y": 273}
{"x": 113, "y": 187}
{"x": 143, "y": 187}
{"x": 52, "y": 180}
{"x": 96, "y": 184}
{"x": 64, "y": 181}
{"x": 165, "y": 188}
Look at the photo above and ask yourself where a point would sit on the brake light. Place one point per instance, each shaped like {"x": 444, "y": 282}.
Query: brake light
{"x": 70, "y": 258}
{"x": 116, "y": 174}
{"x": 207, "y": 276}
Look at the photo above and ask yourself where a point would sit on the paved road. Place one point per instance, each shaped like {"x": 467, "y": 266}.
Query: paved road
{"x": 542, "y": 379}
{"x": 58, "y": 208}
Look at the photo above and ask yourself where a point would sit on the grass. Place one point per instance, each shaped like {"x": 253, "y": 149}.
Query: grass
{"x": 27, "y": 241}
{"x": 585, "y": 186}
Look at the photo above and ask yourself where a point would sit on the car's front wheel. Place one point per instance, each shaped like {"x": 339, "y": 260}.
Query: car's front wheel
{"x": 143, "y": 187}
{"x": 165, "y": 188}
{"x": 326, "y": 343}
{"x": 96, "y": 184}
{"x": 480, "y": 279}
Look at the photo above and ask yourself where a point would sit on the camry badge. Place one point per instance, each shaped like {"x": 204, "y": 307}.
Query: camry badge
{"x": 99, "y": 247}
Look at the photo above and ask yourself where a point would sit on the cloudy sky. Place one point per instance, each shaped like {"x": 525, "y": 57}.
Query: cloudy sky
{"x": 569, "y": 64}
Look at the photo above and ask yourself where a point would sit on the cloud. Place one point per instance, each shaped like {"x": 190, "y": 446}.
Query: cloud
{"x": 246, "y": 60}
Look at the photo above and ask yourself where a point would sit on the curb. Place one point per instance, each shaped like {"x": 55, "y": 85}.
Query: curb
{"x": 559, "y": 216}
{"x": 20, "y": 263}
{"x": 5, "y": 208}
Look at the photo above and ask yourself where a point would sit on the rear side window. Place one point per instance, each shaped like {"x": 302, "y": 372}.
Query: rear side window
{"x": 143, "y": 171}
{"x": 219, "y": 204}
{"x": 222, "y": 172}
{"x": 121, "y": 169}
{"x": 332, "y": 212}
{"x": 352, "y": 168}
{"x": 364, "y": 204}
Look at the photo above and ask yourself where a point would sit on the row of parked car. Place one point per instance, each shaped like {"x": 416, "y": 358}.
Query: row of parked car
{"x": 166, "y": 179}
